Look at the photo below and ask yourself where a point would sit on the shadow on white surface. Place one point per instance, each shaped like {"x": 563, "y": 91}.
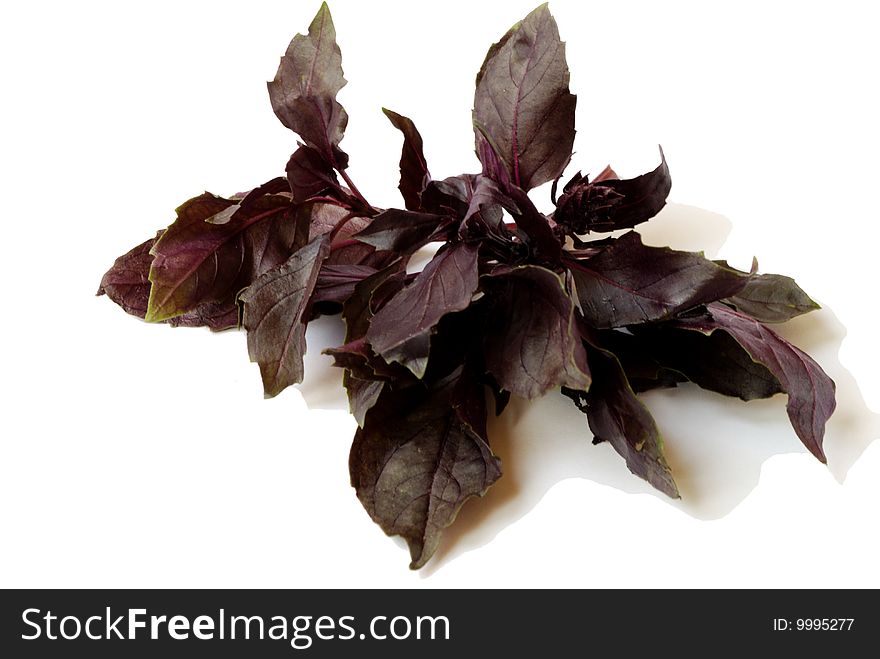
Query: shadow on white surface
{"x": 322, "y": 387}
{"x": 715, "y": 445}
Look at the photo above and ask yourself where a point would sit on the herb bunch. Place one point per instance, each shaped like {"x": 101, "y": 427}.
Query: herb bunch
{"x": 516, "y": 308}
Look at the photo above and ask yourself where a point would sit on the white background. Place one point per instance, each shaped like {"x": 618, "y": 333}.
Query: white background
{"x": 139, "y": 455}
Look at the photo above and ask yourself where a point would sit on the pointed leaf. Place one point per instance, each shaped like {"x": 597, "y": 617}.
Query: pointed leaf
{"x": 362, "y": 395}
{"x": 303, "y": 93}
{"x": 531, "y": 342}
{"x": 401, "y": 330}
{"x": 274, "y": 308}
{"x": 417, "y": 459}
{"x": 215, "y": 248}
{"x": 522, "y": 106}
{"x": 772, "y": 299}
{"x": 618, "y": 417}
{"x": 414, "y": 174}
{"x": 628, "y": 282}
{"x": 609, "y": 204}
{"x": 400, "y": 231}
{"x": 127, "y": 283}
{"x": 606, "y": 174}
{"x": 810, "y": 391}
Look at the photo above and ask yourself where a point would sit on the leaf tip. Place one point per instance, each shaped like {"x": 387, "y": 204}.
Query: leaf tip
{"x": 542, "y": 8}
{"x": 323, "y": 16}
{"x": 271, "y": 387}
{"x": 153, "y": 315}
{"x": 818, "y": 451}
{"x": 671, "y": 490}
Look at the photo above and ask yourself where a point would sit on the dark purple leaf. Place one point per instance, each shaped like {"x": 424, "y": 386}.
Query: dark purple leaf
{"x": 362, "y": 395}
{"x": 457, "y": 340}
{"x": 471, "y": 198}
{"x": 486, "y": 194}
{"x": 608, "y": 204}
{"x": 309, "y": 175}
{"x": 414, "y": 174}
{"x": 643, "y": 369}
{"x": 127, "y": 283}
{"x": 217, "y": 316}
{"x": 274, "y": 308}
{"x": 536, "y": 227}
{"x": 606, "y": 174}
{"x": 418, "y": 458}
{"x": 772, "y": 299}
{"x": 629, "y": 283}
{"x": 215, "y": 248}
{"x": 325, "y": 218}
{"x": 493, "y": 166}
{"x": 531, "y": 342}
{"x": 810, "y": 391}
{"x": 451, "y": 196}
{"x": 716, "y": 362}
{"x": 368, "y": 296}
{"x": 353, "y": 252}
{"x": 357, "y": 311}
{"x": 336, "y": 283}
{"x": 618, "y": 417}
{"x": 359, "y": 360}
{"x": 522, "y": 106}
{"x": 401, "y": 330}
{"x": 485, "y": 208}
{"x": 276, "y": 186}
{"x": 303, "y": 93}
{"x": 400, "y": 231}
{"x": 663, "y": 378}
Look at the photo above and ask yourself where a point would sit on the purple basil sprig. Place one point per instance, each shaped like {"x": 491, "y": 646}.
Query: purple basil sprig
{"x": 515, "y": 308}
